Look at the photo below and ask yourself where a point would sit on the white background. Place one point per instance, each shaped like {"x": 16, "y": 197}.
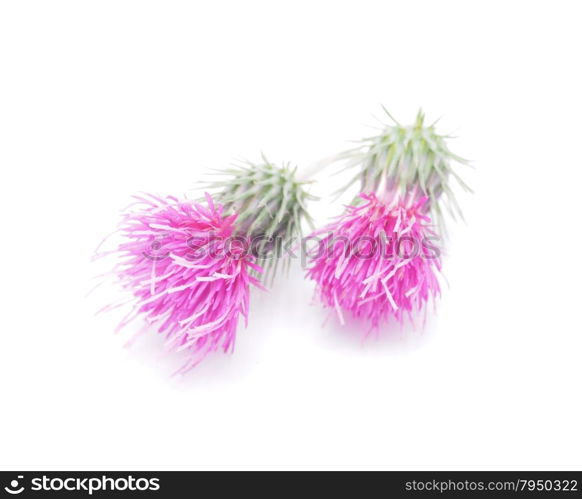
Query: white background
{"x": 99, "y": 100}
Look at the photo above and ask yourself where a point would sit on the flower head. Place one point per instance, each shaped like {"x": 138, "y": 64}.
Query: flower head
{"x": 377, "y": 261}
{"x": 187, "y": 273}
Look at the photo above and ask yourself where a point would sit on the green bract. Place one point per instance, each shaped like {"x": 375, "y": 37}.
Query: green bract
{"x": 270, "y": 203}
{"x": 408, "y": 157}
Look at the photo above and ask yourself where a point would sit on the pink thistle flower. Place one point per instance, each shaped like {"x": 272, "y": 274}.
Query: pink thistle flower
{"x": 188, "y": 273}
{"x": 377, "y": 261}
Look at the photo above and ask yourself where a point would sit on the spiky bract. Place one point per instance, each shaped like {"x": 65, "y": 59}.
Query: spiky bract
{"x": 409, "y": 157}
{"x": 271, "y": 204}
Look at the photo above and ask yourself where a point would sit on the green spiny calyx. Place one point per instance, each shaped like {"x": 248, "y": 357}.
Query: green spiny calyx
{"x": 409, "y": 157}
{"x": 270, "y": 203}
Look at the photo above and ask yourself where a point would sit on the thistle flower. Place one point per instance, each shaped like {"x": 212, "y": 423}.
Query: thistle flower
{"x": 188, "y": 276}
{"x": 271, "y": 203}
{"x": 409, "y": 157}
{"x": 189, "y": 266}
{"x": 377, "y": 261}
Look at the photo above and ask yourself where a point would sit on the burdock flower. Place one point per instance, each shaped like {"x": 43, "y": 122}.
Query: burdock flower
{"x": 188, "y": 266}
{"x": 409, "y": 157}
{"x": 377, "y": 261}
{"x": 189, "y": 277}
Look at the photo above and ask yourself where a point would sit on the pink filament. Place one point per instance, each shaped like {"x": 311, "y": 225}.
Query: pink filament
{"x": 376, "y": 260}
{"x": 187, "y": 277}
